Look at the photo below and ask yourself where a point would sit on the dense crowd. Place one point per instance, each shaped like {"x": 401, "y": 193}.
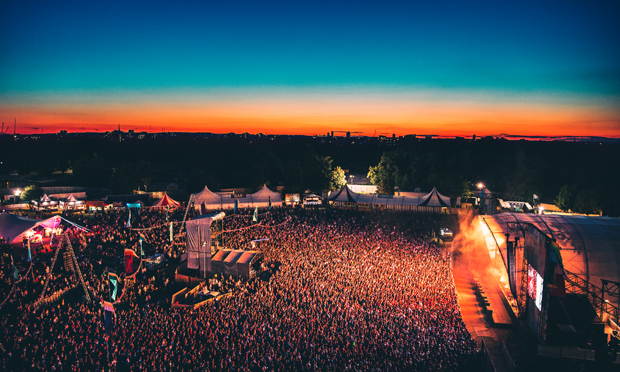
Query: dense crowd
{"x": 342, "y": 291}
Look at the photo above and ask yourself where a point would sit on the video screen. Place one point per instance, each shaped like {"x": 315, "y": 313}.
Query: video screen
{"x": 534, "y": 286}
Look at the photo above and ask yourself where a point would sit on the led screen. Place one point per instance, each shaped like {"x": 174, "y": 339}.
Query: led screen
{"x": 534, "y": 286}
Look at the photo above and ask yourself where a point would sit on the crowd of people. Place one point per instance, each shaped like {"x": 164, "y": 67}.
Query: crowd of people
{"x": 341, "y": 291}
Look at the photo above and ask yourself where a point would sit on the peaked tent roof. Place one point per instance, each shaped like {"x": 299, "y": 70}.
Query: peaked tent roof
{"x": 45, "y": 198}
{"x": 434, "y": 199}
{"x": 344, "y": 195}
{"x": 166, "y": 201}
{"x": 263, "y": 195}
{"x": 207, "y": 196}
{"x": 12, "y": 226}
{"x": 71, "y": 199}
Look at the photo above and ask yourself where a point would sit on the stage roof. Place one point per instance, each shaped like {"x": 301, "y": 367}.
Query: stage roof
{"x": 590, "y": 246}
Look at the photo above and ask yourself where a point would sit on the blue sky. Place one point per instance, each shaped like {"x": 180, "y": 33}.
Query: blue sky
{"x": 566, "y": 52}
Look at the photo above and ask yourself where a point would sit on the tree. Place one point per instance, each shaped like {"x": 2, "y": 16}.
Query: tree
{"x": 338, "y": 179}
{"x": 566, "y": 198}
{"x": 588, "y": 202}
{"x": 384, "y": 175}
{"x": 293, "y": 176}
{"x": 32, "y": 192}
{"x": 317, "y": 172}
{"x": 90, "y": 170}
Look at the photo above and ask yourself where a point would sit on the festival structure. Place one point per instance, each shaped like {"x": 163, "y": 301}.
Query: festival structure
{"x": 562, "y": 273}
{"x": 201, "y": 242}
{"x": 166, "y": 201}
{"x": 208, "y": 200}
{"x": 14, "y": 228}
{"x": 433, "y": 202}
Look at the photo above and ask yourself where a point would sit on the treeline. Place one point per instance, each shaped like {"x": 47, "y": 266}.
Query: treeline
{"x": 583, "y": 177}
{"x": 132, "y": 164}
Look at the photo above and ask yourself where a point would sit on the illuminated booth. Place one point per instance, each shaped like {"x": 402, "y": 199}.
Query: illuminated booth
{"x": 14, "y": 228}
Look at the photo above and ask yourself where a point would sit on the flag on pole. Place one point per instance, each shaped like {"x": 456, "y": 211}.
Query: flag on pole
{"x": 142, "y": 239}
{"x": 113, "y": 279}
{"x": 109, "y": 323}
{"x": 129, "y": 220}
{"x": 171, "y": 232}
{"x": 130, "y": 252}
{"x": 255, "y": 217}
{"x": 15, "y": 271}
{"x": 108, "y": 306}
{"x": 167, "y": 209}
{"x": 29, "y": 254}
{"x": 269, "y": 207}
{"x": 236, "y": 205}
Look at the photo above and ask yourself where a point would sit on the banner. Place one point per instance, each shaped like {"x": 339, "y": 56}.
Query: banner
{"x": 142, "y": 239}
{"x": 130, "y": 252}
{"x": 108, "y": 306}
{"x": 113, "y": 279}
{"x": 255, "y": 217}
{"x": 171, "y": 232}
{"x": 129, "y": 220}
{"x": 109, "y": 324}
{"x": 15, "y": 271}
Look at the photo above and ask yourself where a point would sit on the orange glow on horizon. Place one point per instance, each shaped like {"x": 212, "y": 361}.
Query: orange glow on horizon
{"x": 319, "y": 117}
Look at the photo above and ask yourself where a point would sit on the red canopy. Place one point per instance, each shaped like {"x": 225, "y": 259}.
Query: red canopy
{"x": 166, "y": 201}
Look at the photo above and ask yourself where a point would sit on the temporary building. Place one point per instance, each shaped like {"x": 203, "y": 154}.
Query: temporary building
{"x": 313, "y": 199}
{"x": 166, "y": 201}
{"x": 71, "y": 202}
{"x": 432, "y": 202}
{"x": 207, "y": 197}
{"x": 217, "y": 262}
{"x": 262, "y": 197}
{"x": 213, "y": 201}
{"x": 13, "y": 227}
{"x": 45, "y": 202}
{"x": 235, "y": 263}
{"x": 245, "y": 262}
{"x": 434, "y": 199}
{"x": 344, "y": 195}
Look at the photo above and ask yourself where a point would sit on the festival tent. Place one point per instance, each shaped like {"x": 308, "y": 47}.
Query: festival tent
{"x": 434, "y": 199}
{"x": 71, "y": 202}
{"x": 215, "y": 201}
{"x": 207, "y": 197}
{"x": 261, "y": 198}
{"x": 94, "y": 205}
{"x": 166, "y": 201}
{"x": 45, "y": 202}
{"x": 344, "y": 195}
{"x": 13, "y": 227}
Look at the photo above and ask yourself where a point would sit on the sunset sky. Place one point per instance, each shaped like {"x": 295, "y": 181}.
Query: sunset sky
{"x": 309, "y": 67}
